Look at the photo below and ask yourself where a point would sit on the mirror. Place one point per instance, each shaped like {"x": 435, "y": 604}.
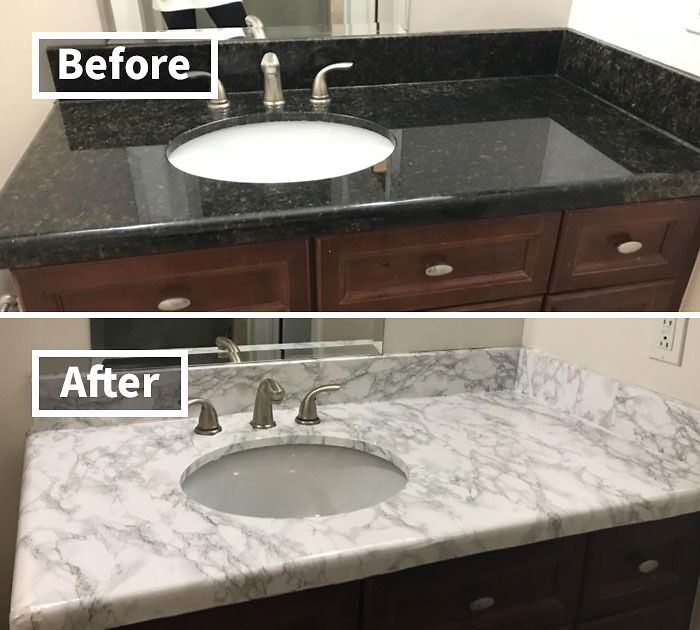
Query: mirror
{"x": 260, "y": 19}
{"x": 242, "y": 340}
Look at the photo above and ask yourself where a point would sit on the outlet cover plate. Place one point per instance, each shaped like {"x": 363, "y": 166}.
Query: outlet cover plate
{"x": 669, "y": 340}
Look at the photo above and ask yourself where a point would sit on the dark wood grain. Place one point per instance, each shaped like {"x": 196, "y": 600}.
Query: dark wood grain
{"x": 673, "y": 615}
{"x": 260, "y": 277}
{"x": 521, "y": 305}
{"x": 638, "y": 298}
{"x": 330, "y": 608}
{"x": 493, "y": 259}
{"x": 587, "y": 256}
{"x": 613, "y": 581}
{"x": 534, "y": 587}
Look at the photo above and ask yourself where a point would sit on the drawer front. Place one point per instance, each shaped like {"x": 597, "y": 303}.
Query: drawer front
{"x": 646, "y": 297}
{"x": 529, "y": 588}
{"x": 635, "y": 566}
{"x": 625, "y": 244}
{"x": 673, "y": 615}
{"x": 523, "y": 305}
{"x": 330, "y": 608}
{"x": 438, "y": 266}
{"x": 265, "y": 277}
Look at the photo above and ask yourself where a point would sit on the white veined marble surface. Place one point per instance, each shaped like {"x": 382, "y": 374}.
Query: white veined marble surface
{"x": 107, "y": 537}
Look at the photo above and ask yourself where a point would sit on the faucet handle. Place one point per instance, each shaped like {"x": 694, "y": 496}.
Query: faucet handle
{"x": 319, "y": 91}
{"x": 208, "y": 418}
{"x": 308, "y": 412}
{"x": 269, "y": 391}
{"x": 221, "y": 102}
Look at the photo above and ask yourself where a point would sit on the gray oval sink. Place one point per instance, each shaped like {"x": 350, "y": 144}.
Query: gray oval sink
{"x": 294, "y": 481}
{"x": 264, "y": 150}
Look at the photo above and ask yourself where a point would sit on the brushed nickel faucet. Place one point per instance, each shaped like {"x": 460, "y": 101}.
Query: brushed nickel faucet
{"x": 221, "y": 102}
{"x": 256, "y": 27}
{"x": 229, "y": 348}
{"x": 269, "y": 391}
{"x": 273, "y": 97}
{"x": 308, "y": 412}
{"x": 320, "y": 96}
{"x": 208, "y": 418}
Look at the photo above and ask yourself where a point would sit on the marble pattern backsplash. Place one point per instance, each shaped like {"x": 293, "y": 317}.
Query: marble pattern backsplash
{"x": 634, "y": 413}
{"x": 232, "y": 388}
{"x": 631, "y": 412}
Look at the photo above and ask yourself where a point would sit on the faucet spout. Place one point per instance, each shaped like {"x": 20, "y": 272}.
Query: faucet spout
{"x": 269, "y": 391}
{"x": 273, "y": 97}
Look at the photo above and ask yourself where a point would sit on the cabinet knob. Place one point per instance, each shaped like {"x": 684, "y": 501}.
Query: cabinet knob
{"x": 174, "y": 304}
{"x": 649, "y": 566}
{"x": 438, "y": 271}
{"x": 629, "y": 247}
{"x": 482, "y": 603}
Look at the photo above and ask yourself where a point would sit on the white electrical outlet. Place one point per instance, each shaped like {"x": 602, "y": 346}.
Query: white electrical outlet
{"x": 669, "y": 340}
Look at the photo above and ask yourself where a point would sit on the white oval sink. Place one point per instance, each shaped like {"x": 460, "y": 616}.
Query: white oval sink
{"x": 280, "y": 151}
{"x": 294, "y": 481}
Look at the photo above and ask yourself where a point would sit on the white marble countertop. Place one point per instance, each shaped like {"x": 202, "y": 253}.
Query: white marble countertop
{"x": 107, "y": 537}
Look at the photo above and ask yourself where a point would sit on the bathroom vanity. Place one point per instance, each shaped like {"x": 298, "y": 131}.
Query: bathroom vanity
{"x": 512, "y": 186}
{"x": 535, "y": 493}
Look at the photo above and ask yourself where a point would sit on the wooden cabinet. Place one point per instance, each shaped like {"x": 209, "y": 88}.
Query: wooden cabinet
{"x": 646, "y": 297}
{"x": 522, "y": 305}
{"x": 634, "y": 257}
{"x": 624, "y": 244}
{"x": 261, "y": 277}
{"x": 635, "y": 566}
{"x": 330, "y": 608}
{"x": 638, "y": 577}
{"x": 533, "y": 587}
{"x": 437, "y": 266}
{"x": 673, "y": 615}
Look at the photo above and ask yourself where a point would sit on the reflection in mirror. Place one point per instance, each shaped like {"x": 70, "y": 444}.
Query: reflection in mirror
{"x": 242, "y": 340}
{"x": 260, "y": 19}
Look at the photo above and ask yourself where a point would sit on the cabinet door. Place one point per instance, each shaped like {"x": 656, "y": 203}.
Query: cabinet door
{"x": 529, "y": 588}
{"x": 626, "y": 244}
{"x": 331, "y": 608}
{"x": 261, "y": 277}
{"x": 435, "y": 267}
{"x": 634, "y": 566}
{"x": 674, "y": 615}
{"x": 651, "y": 297}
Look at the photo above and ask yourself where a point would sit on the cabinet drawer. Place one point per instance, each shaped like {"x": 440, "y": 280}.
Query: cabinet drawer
{"x": 625, "y": 244}
{"x": 330, "y": 608}
{"x": 261, "y": 277}
{"x": 522, "y": 305}
{"x": 673, "y": 615}
{"x": 646, "y": 297}
{"x": 438, "y": 266}
{"x": 528, "y": 588}
{"x": 630, "y": 567}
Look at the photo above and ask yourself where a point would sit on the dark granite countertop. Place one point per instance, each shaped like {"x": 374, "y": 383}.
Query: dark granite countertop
{"x": 95, "y": 182}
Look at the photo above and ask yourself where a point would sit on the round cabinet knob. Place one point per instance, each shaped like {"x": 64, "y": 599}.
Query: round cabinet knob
{"x": 438, "y": 271}
{"x": 171, "y": 305}
{"x": 629, "y": 247}
{"x": 482, "y": 603}
{"x": 649, "y": 566}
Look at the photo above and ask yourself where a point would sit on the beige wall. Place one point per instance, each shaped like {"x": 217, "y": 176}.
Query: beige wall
{"x": 417, "y": 335}
{"x": 18, "y": 337}
{"x": 620, "y": 349}
{"x": 456, "y": 15}
{"x": 654, "y": 29}
{"x": 21, "y": 114}
{"x": 691, "y": 303}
